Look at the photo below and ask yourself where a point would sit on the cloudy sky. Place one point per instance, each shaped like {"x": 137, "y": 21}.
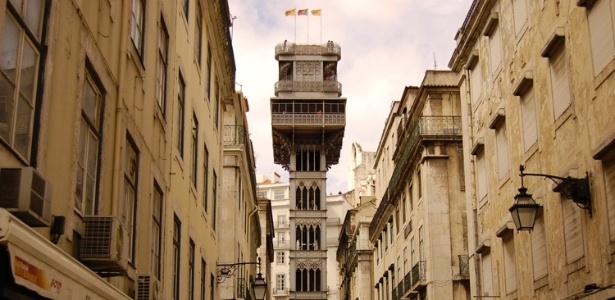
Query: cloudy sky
{"x": 386, "y": 45}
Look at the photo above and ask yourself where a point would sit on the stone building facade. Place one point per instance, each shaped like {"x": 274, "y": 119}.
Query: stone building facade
{"x": 418, "y": 230}
{"x": 111, "y": 130}
{"x": 537, "y": 90}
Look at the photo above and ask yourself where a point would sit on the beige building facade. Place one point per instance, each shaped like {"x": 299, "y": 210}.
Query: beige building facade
{"x": 537, "y": 90}
{"x": 111, "y": 148}
{"x": 418, "y": 230}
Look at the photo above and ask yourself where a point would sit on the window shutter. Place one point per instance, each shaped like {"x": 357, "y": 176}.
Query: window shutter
{"x": 608, "y": 165}
{"x": 495, "y": 48}
{"x": 481, "y": 173}
{"x": 560, "y": 85}
{"x": 487, "y": 275}
{"x": 573, "y": 234}
{"x": 539, "y": 249}
{"x": 502, "y": 147}
{"x": 475, "y": 82}
{"x": 509, "y": 264}
{"x": 528, "y": 114}
{"x": 601, "y": 34}
{"x": 520, "y": 12}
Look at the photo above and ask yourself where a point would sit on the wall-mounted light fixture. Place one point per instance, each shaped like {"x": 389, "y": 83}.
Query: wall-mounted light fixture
{"x": 259, "y": 286}
{"x": 524, "y": 208}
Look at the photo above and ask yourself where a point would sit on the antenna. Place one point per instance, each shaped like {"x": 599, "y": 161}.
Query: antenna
{"x": 435, "y": 64}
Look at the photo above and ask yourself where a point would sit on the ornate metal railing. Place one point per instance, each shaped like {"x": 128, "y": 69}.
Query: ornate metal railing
{"x": 329, "y": 48}
{"x": 233, "y": 135}
{"x": 333, "y": 86}
{"x": 306, "y": 119}
{"x": 464, "y": 265}
{"x": 418, "y": 273}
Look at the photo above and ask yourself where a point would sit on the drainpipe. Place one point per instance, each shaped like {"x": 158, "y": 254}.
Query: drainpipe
{"x": 119, "y": 114}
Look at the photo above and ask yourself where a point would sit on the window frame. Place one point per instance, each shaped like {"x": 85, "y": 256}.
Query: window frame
{"x": 96, "y": 128}
{"x": 138, "y": 26}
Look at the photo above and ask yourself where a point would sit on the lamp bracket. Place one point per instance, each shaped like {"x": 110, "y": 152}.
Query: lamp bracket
{"x": 227, "y": 270}
{"x": 575, "y": 189}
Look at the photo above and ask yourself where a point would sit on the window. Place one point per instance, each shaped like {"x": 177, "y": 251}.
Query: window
{"x": 481, "y": 173}
{"x": 181, "y": 94}
{"x": 156, "y": 230}
{"x": 280, "y": 281}
{"x": 406, "y": 269}
{"x": 520, "y": 14}
{"x": 486, "y": 276}
{"x": 419, "y": 186}
{"x": 560, "y": 86}
{"x": 176, "y": 256}
{"x": 129, "y": 211}
{"x": 216, "y": 101}
{"x": 476, "y": 80}
{"x": 89, "y": 146}
{"x": 205, "y": 177}
{"x": 161, "y": 78}
{"x": 212, "y": 280}
{"x": 280, "y": 257}
{"x": 539, "y": 248}
{"x": 191, "y": 270}
{"x": 502, "y": 148}
{"x": 137, "y": 25}
{"x": 203, "y": 280}
{"x": 214, "y": 199}
{"x": 281, "y": 220}
{"x": 186, "y": 8}
{"x": 403, "y": 207}
{"x": 421, "y": 250}
{"x": 528, "y": 118}
{"x": 509, "y": 263}
{"x": 278, "y": 194}
{"x": 573, "y": 231}
{"x": 601, "y": 33}
{"x": 20, "y": 49}
{"x": 209, "y": 73}
{"x": 492, "y": 31}
{"x": 198, "y": 35}
{"x": 608, "y": 167}
{"x": 195, "y": 149}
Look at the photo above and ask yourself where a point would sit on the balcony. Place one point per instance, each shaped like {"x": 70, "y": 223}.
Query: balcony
{"x": 411, "y": 283}
{"x": 306, "y": 119}
{"x": 296, "y": 49}
{"x": 327, "y": 86}
{"x": 418, "y": 275}
{"x": 233, "y": 135}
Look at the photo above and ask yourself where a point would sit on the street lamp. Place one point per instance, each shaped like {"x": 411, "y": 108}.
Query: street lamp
{"x": 523, "y": 210}
{"x": 259, "y": 285}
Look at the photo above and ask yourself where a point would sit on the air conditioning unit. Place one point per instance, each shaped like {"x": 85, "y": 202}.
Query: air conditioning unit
{"x": 104, "y": 246}
{"x": 26, "y": 195}
{"x": 148, "y": 288}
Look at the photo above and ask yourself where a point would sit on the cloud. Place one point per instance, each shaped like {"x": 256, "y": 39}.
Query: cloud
{"x": 386, "y": 46}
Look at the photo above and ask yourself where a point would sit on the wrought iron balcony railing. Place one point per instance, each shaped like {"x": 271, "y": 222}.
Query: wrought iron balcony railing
{"x": 332, "y": 86}
{"x": 234, "y": 135}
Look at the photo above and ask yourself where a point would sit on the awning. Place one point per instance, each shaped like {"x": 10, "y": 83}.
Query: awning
{"x": 40, "y": 266}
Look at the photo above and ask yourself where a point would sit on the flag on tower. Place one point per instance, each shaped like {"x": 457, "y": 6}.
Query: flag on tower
{"x": 316, "y": 12}
{"x": 291, "y": 12}
{"x": 302, "y": 12}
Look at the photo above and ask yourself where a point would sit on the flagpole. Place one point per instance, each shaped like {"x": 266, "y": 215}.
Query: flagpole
{"x": 320, "y": 27}
{"x": 308, "y": 26}
{"x": 295, "y": 28}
